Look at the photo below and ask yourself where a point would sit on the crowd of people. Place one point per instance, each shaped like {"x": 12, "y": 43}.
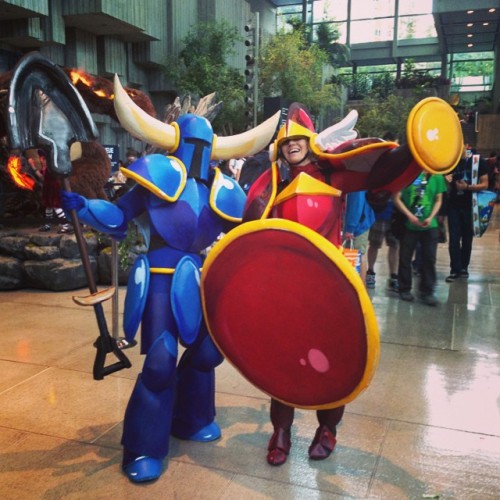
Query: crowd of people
{"x": 423, "y": 206}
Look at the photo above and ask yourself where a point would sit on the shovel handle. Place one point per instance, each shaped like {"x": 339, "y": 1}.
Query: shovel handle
{"x": 105, "y": 343}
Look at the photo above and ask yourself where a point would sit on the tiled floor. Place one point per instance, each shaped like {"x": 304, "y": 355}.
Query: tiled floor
{"x": 427, "y": 427}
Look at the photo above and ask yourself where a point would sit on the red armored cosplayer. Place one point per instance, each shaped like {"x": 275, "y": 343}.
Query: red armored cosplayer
{"x": 282, "y": 303}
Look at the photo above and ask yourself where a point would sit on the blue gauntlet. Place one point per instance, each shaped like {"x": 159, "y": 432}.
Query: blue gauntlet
{"x": 71, "y": 201}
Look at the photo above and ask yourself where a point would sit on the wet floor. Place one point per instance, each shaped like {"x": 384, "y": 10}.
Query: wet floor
{"x": 427, "y": 427}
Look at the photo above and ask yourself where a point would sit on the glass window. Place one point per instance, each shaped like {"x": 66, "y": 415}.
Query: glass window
{"x": 329, "y": 10}
{"x": 286, "y": 14}
{"x": 472, "y": 84}
{"x": 467, "y": 56}
{"x": 415, "y": 7}
{"x": 410, "y": 27}
{"x": 472, "y": 71}
{"x": 373, "y": 30}
{"x": 370, "y": 9}
{"x": 385, "y": 68}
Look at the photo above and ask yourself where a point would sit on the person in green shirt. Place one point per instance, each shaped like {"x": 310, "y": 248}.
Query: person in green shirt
{"x": 420, "y": 202}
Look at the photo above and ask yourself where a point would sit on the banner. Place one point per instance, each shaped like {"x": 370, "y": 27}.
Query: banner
{"x": 483, "y": 203}
{"x": 114, "y": 155}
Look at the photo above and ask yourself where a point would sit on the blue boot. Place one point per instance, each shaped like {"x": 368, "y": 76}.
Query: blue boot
{"x": 210, "y": 432}
{"x": 143, "y": 469}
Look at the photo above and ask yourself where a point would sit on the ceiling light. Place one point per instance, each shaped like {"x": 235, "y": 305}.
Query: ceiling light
{"x": 470, "y": 35}
{"x": 470, "y": 45}
{"x": 469, "y": 25}
{"x": 486, "y": 24}
{"x": 470, "y": 12}
{"x": 492, "y": 10}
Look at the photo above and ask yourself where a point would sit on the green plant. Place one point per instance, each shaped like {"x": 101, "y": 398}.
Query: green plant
{"x": 358, "y": 85}
{"x": 126, "y": 248}
{"x": 327, "y": 35}
{"x": 294, "y": 69}
{"x": 201, "y": 69}
{"x": 418, "y": 78}
{"x": 383, "y": 84}
{"x": 379, "y": 116}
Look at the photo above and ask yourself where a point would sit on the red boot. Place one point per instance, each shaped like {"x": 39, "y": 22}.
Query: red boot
{"x": 323, "y": 443}
{"x": 279, "y": 447}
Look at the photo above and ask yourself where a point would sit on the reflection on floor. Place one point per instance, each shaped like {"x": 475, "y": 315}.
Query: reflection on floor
{"x": 427, "y": 427}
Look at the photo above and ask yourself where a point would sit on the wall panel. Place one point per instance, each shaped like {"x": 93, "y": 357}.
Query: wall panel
{"x": 82, "y": 51}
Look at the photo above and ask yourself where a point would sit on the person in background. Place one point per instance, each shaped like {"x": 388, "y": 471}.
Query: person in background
{"x": 497, "y": 180}
{"x": 359, "y": 218}
{"x": 492, "y": 163}
{"x": 132, "y": 155}
{"x": 51, "y": 200}
{"x": 117, "y": 184}
{"x": 420, "y": 203}
{"x": 460, "y": 230}
{"x": 380, "y": 231}
{"x": 235, "y": 166}
{"x": 252, "y": 168}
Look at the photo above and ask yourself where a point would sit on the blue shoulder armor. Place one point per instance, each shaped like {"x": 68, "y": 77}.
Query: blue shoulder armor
{"x": 227, "y": 198}
{"x": 103, "y": 216}
{"x": 164, "y": 176}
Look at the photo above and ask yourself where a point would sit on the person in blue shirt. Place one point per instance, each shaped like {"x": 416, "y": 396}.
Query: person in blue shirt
{"x": 381, "y": 230}
{"x": 359, "y": 218}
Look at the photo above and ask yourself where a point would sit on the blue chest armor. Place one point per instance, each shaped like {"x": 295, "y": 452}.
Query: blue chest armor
{"x": 185, "y": 216}
{"x": 186, "y": 213}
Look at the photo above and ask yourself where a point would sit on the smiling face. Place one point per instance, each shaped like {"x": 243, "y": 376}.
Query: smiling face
{"x": 295, "y": 151}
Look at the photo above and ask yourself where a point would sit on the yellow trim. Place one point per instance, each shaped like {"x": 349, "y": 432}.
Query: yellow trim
{"x": 292, "y": 130}
{"x": 349, "y": 154}
{"x": 164, "y": 270}
{"x": 161, "y": 270}
{"x": 211, "y": 200}
{"x": 153, "y": 188}
{"x": 214, "y": 144}
{"x": 274, "y": 191}
{"x": 177, "y": 138}
{"x": 441, "y": 155}
{"x": 336, "y": 256}
{"x": 304, "y": 184}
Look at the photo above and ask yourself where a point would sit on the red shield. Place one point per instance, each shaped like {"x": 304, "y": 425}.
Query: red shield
{"x": 287, "y": 309}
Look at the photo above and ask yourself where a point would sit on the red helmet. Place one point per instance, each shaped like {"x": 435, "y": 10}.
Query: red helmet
{"x": 298, "y": 125}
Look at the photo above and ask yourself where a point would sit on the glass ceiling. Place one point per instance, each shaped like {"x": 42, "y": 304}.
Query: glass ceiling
{"x": 382, "y": 33}
{"x": 372, "y": 20}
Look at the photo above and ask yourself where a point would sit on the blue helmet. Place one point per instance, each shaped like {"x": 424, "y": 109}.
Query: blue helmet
{"x": 191, "y": 138}
{"x": 195, "y": 145}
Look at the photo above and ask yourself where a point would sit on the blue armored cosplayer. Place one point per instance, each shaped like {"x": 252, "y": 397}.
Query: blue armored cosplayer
{"x": 186, "y": 205}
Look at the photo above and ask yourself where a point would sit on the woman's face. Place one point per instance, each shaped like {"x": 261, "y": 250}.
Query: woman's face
{"x": 295, "y": 151}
